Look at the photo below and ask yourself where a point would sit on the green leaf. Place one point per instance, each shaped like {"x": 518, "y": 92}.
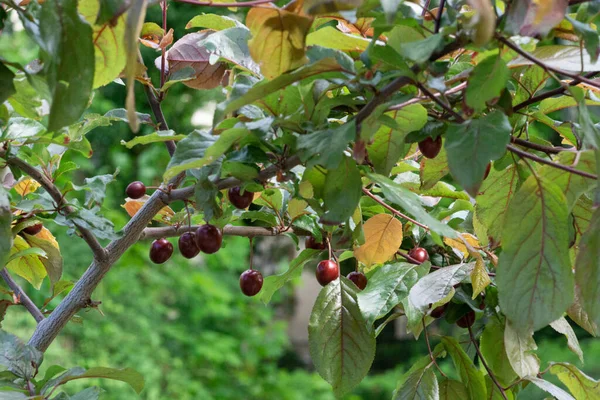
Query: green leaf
{"x": 160, "y": 136}
{"x": 411, "y": 203}
{"x": 263, "y": 89}
{"x": 590, "y": 37}
{"x": 333, "y": 38}
{"x": 92, "y": 393}
{"x": 53, "y": 262}
{"x": 90, "y": 219}
{"x": 573, "y": 186}
{"x": 127, "y": 375}
{"x": 579, "y": 384}
{"x": 388, "y": 286}
{"x": 68, "y": 55}
{"x": 552, "y": 104}
{"x": 567, "y": 58}
{"x": 27, "y": 252}
{"x": 494, "y": 351}
{"x": 419, "y": 51}
{"x": 273, "y": 283}
{"x": 29, "y": 267}
{"x": 520, "y": 349}
{"x": 231, "y": 45}
{"x": 486, "y": 82}
{"x": 546, "y": 386}
{"x": 270, "y": 219}
{"x": 437, "y": 286}
{"x": 205, "y": 193}
{"x": 419, "y": 382}
{"x": 108, "y": 43}
{"x": 581, "y": 317}
{"x": 6, "y": 83}
{"x": 452, "y": 390}
{"x": 493, "y": 393}
{"x": 473, "y": 144}
{"x": 6, "y": 237}
{"x": 342, "y": 192}
{"x": 212, "y": 21}
{"x": 535, "y": 281}
{"x": 469, "y": 374}
{"x": 561, "y": 325}
{"x": 19, "y": 358}
{"x": 388, "y": 142}
{"x": 494, "y": 199}
{"x": 587, "y": 273}
{"x": 199, "y": 149}
{"x": 342, "y": 347}
{"x": 326, "y": 147}
{"x": 433, "y": 169}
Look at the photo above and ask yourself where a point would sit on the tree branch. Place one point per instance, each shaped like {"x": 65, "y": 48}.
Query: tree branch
{"x": 489, "y": 371}
{"x": 539, "y": 147}
{"x": 228, "y": 230}
{"x": 57, "y": 196}
{"x": 541, "y": 160}
{"x": 393, "y": 210}
{"x": 22, "y": 296}
{"x": 438, "y": 20}
{"x": 436, "y": 99}
{"x": 547, "y": 67}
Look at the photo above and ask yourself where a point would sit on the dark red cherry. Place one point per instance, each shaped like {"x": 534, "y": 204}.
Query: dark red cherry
{"x": 438, "y": 312}
{"x": 466, "y": 320}
{"x": 311, "y": 243}
{"x": 419, "y": 254}
{"x": 327, "y": 271}
{"x": 487, "y": 170}
{"x": 251, "y": 282}
{"x": 430, "y": 148}
{"x": 359, "y": 279}
{"x": 160, "y": 251}
{"x": 135, "y": 190}
{"x": 33, "y": 229}
{"x": 241, "y": 201}
{"x": 209, "y": 238}
{"x": 188, "y": 246}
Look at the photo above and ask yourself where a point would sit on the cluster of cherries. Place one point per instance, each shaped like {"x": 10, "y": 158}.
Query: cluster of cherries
{"x": 207, "y": 238}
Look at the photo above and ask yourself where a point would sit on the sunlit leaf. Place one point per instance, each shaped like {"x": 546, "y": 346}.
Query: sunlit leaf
{"x": 383, "y": 237}
{"x": 520, "y": 349}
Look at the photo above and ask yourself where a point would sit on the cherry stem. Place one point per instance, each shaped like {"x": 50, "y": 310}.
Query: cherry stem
{"x": 187, "y": 210}
{"x": 251, "y": 251}
{"x": 393, "y": 210}
{"x": 429, "y": 348}
{"x": 491, "y": 374}
{"x": 409, "y": 258}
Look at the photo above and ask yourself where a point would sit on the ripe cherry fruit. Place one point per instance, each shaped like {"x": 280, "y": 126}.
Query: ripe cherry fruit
{"x": 359, "y": 279}
{"x": 327, "y": 271}
{"x": 466, "y": 320}
{"x": 311, "y": 243}
{"x": 135, "y": 190}
{"x": 251, "y": 282}
{"x": 209, "y": 238}
{"x": 239, "y": 200}
{"x": 429, "y": 147}
{"x": 438, "y": 312}
{"x": 188, "y": 246}
{"x": 160, "y": 251}
{"x": 419, "y": 254}
{"x": 33, "y": 229}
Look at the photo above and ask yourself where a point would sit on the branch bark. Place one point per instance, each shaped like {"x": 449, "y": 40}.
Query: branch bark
{"x": 22, "y": 296}
{"x": 541, "y": 160}
{"x": 57, "y": 196}
{"x": 228, "y": 230}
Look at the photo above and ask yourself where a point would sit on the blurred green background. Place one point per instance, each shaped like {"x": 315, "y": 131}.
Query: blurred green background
{"x": 185, "y": 325}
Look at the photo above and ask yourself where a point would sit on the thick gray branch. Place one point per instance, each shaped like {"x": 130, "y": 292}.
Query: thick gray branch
{"x": 59, "y": 199}
{"x": 21, "y": 296}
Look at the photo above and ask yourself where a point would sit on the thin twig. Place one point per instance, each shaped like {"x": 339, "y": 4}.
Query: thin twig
{"x": 213, "y": 4}
{"x": 159, "y": 116}
{"x": 21, "y": 295}
{"x": 547, "y": 67}
{"x": 490, "y": 372}
{"x": 436, "y": 99}
{"x": 393, "y": 210}
{"x": 539, "y": 147}
{"x": 429, "y": 349}
{"x": 541, "y": 160}
{"x": 415, "y": 100}
{"x": 408, "y": 258}
{"x": 438, "y": 20}
{"x": 57, "y": 196}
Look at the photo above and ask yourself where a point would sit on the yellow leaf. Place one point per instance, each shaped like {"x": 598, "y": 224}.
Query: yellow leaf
{"x": 29, "y": 267}
{"x": 479, "y": 276}
{"x": 47, "y": 235}
{"x": 297, "y": 207}
{"x": 484, "y": 21}
{"x": 278, "y": 41}
{"x": 306, "y": 190}
{"x": 383, "y": 237}
{"x": 133, "y": 206}
{"x": 459, "y": 244}
{"x": 26, "y": 186}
